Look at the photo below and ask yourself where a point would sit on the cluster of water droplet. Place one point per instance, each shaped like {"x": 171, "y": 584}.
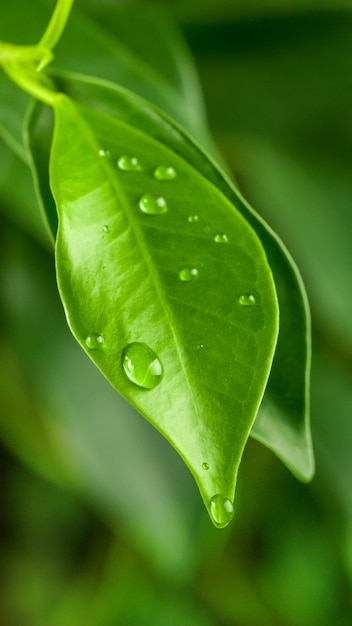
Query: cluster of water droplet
{"x": 140, "y": 363}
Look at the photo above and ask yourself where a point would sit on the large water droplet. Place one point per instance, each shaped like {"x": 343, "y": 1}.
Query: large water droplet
{"x": 246, "y": 299}
{"x": 221, "y": 238}
{"x": 221, "y": 510}
{"x": 192, "y": 219}
{"x": 187, "y": 274}
{"x": 165, "y": 172}
{"x": 94, "y": 341}
{"x": 129, "y": 164}
{"x": 152, "y": 205}
{"x": 142, "y": 366}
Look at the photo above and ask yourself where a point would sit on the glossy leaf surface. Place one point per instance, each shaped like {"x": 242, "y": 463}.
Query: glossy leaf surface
{"x": 283, "y": 420}
{"x": 139, "y": 264}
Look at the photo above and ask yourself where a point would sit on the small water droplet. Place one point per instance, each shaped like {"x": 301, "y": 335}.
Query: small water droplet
{"x": 165, "y": 172}
{"x": 221, "y": 510}
{"x": 129, "y": 164}
{"x": 104, "y": 153}
{"x": 246, "y": 299}
{"x": 106, "y": 229}
{"x": 221, "y": 238}
{"x": 94, "y": 341}
{"x": 192, "y": 219}
{"x": 205, "y": 466}
{"x": 152, "y": 205}
{"x": 141, "y": 365}
{"x": 187, "y": 274}
{"x": 200, "y": 346}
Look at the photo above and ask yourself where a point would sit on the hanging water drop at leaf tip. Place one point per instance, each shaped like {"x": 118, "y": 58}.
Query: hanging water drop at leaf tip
{"x": 141, "y": 365}
{"x": 221, "y": 510}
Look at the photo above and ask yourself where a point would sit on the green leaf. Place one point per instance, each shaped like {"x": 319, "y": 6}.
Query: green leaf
{"x": 283, "y": 420}
{"x": 165, "y": 286}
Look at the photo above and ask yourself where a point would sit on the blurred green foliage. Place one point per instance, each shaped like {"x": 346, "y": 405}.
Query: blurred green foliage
{"x": 126, "y": 541}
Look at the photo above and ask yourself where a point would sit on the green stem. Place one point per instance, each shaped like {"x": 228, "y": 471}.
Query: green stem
{"x": 23, "y": 63}
{"x": 56, "y": 25}
{"x": 29, "y": 83}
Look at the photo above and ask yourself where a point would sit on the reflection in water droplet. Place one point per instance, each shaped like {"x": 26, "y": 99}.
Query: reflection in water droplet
{"x": 221, "y": 510}
{"x": 246, "y": 299}
{"x": 221, "y": 238}
{"x": 104, "y": 153}
{"x": 94, "y": 341}
{"x": 165, "y": 172}
{"x": 187, "y": 274}
{"x": 106, "y": 229}
{"x": 129, "y": 164}
{"x": 205, "y": 466}
{"x": 141, "y": 365}
{"x": 152, "y": 205}
{"x": 192, "y": 219}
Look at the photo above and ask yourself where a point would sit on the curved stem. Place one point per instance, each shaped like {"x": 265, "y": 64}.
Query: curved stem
{"x": 56, "y": 25}
{"x": 28, "y": 83}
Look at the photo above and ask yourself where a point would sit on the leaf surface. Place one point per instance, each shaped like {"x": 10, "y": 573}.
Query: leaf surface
{"x": 283, "y": 419}
{"x": 167, "y": 269}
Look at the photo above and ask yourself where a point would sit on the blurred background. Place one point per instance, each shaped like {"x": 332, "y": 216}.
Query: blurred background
{"x": 100, "y": 522}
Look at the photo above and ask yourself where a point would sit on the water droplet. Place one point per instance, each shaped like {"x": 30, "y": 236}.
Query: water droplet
{"x": 221, "y": 238}
{"x": 94, "y": 341}
{"x": 187, "y": 274}
{"x": 165, "y": 172}
{"x": 129, "y": 164}
{"x": 104, "y": 153}
{"x": 207, "y": 230}
{"x": 246, "y": 299}
{"x": 221, "y": 510}
{"x": 192, "y": 219}
{"x": 152, "y": 205}
{"x": 141, "y": 365}
{"x": 205, "y": 466}
{"x": 106, "y": 229}
{"x": 200, "y": 346}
